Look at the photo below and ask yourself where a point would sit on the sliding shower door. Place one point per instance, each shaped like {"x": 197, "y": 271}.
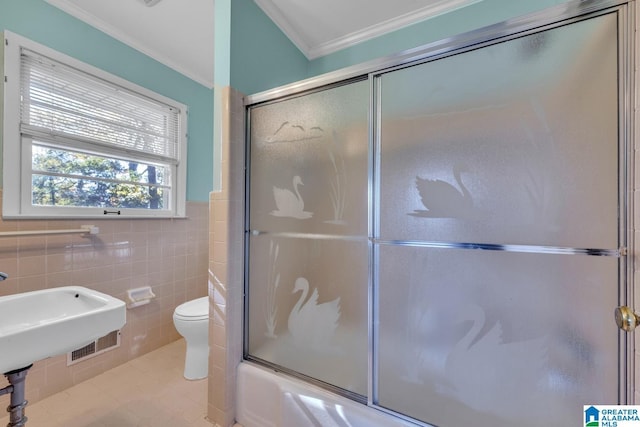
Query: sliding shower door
{"x": 308, "y": 246}
{"x": 444, "y": 238}
{"x": 498, "y": 231}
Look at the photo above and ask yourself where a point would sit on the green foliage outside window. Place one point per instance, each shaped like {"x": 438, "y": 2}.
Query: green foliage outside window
{"x": 68, "y": 178}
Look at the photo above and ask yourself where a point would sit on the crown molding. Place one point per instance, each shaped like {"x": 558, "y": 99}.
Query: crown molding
{"x": 281, "y": 21}
{"x": 356, "y": 37}
{"x": 386, "y": 27}
{"x": 117, "y": 34}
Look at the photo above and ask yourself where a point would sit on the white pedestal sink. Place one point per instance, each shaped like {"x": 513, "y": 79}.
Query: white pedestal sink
{"x": 40, "y": 324}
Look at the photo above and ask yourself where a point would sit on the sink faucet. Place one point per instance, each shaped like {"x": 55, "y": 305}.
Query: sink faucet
{"x": 3, "y": 276}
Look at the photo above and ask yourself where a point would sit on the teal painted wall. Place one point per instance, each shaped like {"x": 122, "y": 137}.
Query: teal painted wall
{"x": 262, "y": 57}
{"x": 475, "y": 16}
{"x": 47, "y": 25}
{"x": 222, "y": 44}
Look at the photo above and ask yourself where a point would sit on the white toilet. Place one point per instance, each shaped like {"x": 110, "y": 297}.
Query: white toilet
{"x": 191, "y": 320}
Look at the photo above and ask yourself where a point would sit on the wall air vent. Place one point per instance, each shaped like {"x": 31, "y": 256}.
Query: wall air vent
{"x": 99, "y": 346}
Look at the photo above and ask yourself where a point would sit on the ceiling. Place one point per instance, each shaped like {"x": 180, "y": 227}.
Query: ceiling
{"x": 179, "y": 33}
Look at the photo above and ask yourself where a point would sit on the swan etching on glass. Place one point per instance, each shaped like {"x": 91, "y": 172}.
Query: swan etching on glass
{"x": 288, "y": 132}
{"x": 312, "y": 324}
{"x": 482, "y": 370}
{"x": 442, "y": 199}
{"x": 290, "y": 203}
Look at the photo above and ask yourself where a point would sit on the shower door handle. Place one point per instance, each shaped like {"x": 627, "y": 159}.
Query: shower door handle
{"x": 626, "y": 318}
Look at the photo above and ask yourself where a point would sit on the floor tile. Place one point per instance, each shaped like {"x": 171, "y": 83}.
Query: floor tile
{"x": 149, "y": 391}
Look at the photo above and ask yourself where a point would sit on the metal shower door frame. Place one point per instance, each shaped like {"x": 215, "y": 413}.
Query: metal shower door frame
{"x": 556, "y": 16}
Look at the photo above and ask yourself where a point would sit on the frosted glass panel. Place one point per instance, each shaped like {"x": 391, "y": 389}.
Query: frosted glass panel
{"x": 478, "y": 338}
{"x": 309, "y": 162}
{"x": 511, "y": 144}
{"x": 308, "y": 307}
{"x": 309, "y": 179}
{"x": 500, "y": 144}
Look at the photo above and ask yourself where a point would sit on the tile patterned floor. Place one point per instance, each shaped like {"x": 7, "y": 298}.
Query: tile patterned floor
{"x": 149, "y": 391}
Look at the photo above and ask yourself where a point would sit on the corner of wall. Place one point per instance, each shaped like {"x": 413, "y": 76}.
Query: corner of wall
{"x": 226, "y": 254}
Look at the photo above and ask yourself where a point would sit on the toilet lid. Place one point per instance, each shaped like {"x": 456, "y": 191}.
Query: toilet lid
{"x": 194, "y": 309}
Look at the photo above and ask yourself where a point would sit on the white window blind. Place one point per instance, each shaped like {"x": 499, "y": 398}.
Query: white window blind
{"x": 59, "y": 100}
{"x": 81, "y": 142}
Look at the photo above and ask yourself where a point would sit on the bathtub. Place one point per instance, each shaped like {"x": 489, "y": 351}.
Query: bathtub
{"x": 269, "y": 399}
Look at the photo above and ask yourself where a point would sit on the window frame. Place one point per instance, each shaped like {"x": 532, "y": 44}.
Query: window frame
{"x": 16, "y": 147}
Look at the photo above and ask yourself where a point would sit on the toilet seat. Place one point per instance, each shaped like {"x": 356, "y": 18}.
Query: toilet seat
{"x": 194, "y": 310}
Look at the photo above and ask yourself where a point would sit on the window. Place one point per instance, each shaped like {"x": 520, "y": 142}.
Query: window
{"x": 80, "y": 142}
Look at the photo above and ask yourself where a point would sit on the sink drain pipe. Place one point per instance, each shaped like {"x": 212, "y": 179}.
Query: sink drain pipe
{"x": 16, "y": 388}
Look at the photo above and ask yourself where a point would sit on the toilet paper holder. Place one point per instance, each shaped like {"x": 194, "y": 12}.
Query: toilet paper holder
{"x": 139, "y": 296}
